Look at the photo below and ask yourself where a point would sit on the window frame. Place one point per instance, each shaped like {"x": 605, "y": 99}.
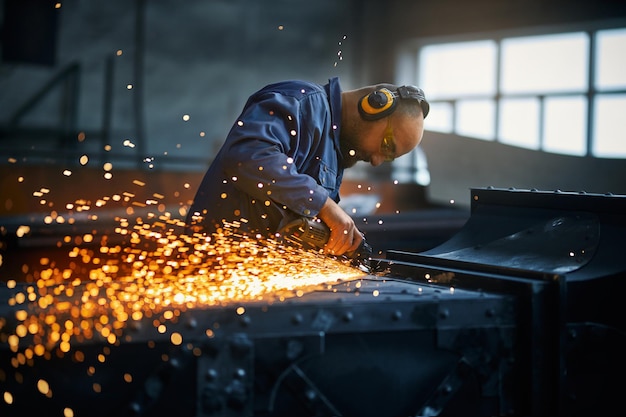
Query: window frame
{"x": 408, "y": 60}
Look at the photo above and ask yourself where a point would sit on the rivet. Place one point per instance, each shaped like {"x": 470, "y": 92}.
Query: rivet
{"x": 397, "y": 315}
{"x": 310, "y": 394}
{"x": 348, "y": 316}
{"x": 240, "y": 346}
{"x": 211, "y": 374}
{"x": 294, "y": 349}
{"x": 296, "y": 318}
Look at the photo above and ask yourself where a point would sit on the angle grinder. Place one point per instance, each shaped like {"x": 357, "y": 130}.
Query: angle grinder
{"x": 314, "y": 234}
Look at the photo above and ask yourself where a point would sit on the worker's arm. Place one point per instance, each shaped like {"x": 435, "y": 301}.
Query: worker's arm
{"x": 344, "y": 235}
{"x": 268, "y": 152}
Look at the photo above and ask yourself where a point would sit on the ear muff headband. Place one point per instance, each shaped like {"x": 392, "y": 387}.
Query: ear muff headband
{"x": 412, "y": 92}
{"x": 377, "y": 104}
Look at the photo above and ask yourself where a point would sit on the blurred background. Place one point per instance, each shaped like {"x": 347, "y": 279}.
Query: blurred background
{"x": 134, "y": 98}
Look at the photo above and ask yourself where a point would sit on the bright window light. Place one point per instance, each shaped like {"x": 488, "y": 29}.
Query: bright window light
{"x": 531, "y": 91}
{"x": 610, "y": 59}
{"x": 458, "y": 69}
{"x": 609, "y": 140}
{"x": 476, "y": 118}
{"x": 519, "y": 122}
{"x": 439, "y": 118}
{"x": 565, "y": 125}
{"x": 541, "y": 64}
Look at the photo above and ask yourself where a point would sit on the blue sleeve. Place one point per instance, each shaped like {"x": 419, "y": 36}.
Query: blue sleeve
{"x": 275, "y": 140}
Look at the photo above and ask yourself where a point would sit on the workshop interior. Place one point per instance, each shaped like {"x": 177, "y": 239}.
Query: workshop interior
{"x": 495, "y": 261}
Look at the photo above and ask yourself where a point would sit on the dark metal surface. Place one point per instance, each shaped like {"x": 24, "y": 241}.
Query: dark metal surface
{"x": 499, "y": 320}
{"x": 364, "y": 347}
{"x": 561, "y": 255}
{"x": 556, "y": 245}
{"x": 548, "y": 232}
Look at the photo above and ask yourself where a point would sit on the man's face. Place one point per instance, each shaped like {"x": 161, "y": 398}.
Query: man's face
{"x": 380, "y": 141}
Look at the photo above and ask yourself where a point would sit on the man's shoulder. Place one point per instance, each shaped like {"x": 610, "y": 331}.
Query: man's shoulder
{"x": 295, "y": 88}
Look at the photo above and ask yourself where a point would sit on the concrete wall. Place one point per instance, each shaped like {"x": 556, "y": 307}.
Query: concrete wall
{"x": 458, "y": 163}
{"x": 197, "y": 58}
{"x": 203, "y": 58}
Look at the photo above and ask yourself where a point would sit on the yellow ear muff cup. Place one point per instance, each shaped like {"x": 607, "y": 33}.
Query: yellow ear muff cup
{"x": 377, "y": 104}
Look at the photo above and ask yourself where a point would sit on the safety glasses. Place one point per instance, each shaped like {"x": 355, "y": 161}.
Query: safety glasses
{"x": 388, "y": 145}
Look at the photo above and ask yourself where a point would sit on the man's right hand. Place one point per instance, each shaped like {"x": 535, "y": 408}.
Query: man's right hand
{"x": 344, "y": 235}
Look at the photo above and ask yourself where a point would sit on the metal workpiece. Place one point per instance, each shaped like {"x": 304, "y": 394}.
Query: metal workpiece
{"x": 368, "y": 304}
{"x": 225, "y": 377}
{"x": 517, "y": 314}
{"x": 262, "y": 358}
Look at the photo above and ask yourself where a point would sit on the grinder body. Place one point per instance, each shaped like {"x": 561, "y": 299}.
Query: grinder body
{"x": 314, "y": 234}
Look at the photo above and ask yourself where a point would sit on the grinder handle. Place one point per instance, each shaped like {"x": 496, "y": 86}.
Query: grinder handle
{"x": 313, "y": 233}
{"x": 307, "y": 232}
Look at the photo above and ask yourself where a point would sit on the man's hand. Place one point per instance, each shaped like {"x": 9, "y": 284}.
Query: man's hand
{"x": 344, "y": 235}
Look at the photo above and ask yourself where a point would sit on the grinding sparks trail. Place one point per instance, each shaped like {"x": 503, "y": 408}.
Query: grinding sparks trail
{"x": 160, "y": 271}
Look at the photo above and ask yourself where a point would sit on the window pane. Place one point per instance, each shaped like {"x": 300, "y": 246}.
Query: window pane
{"x": 610, "y": 59}
{"x": 545, "y": 63}
{"x": 476, "y": 118}
{"x": 609, "y": 126}
{"x": 519, "y": 122}
{"x": 439, "y": 118}
{"x": 458, "y": 69}
{"x": 565, "y": 125}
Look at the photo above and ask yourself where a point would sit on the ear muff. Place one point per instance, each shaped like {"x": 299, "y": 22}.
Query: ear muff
{"x": 377, "y": 104}
{"x": 382, "y": 102}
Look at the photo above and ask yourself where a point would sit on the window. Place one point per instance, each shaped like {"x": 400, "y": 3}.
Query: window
{"x": 544, "y": 64}
{"x": 439, "y": 117}
{"x": 519, "y": 122}
{"x": 476, "y": 118}
{"x": 608, "y": 120}
{"x": 609, "y": 126}
{"x": 610, "y": 59}
{"x": 562, "y": 93}
{"x": 459, "y": 69}
{"x": 565, "y": 127}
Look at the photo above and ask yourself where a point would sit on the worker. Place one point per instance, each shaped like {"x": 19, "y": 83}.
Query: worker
{"x": 285, "y": 156}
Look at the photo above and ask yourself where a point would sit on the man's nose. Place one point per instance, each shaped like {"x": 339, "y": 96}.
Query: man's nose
{"x": 376, "y": 160}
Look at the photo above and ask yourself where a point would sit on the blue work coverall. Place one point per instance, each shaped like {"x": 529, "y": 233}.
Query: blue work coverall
{"x": 281, "y": 160}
